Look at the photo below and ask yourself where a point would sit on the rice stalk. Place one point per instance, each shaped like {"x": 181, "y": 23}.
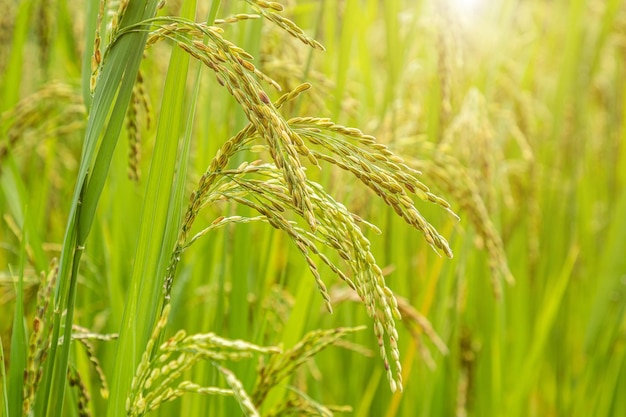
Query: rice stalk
{"x": 110, "y": 99}
{"x": 280, "y": 366}
{"x": 39, "y": 342}
{"x": 39, "y": 345}
{"x": 75, "y": 380}
{"x": 279, "y": 191}
{"x": 299, "y": 404}
{"x": 336, "y": 227}
{"x": 450, "y": 175}
{"x": 55, "y": 110}
{"x": 7, "y": 23}
{"x": 45, "y": 32}
{"x": 157, "y": 379}
{"x": 139, "y": 100}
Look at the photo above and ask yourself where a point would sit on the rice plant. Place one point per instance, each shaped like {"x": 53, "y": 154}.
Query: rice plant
{"x": 251, "y": 208}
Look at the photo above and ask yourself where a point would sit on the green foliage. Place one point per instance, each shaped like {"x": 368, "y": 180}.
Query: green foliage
{"x": 217, "y": 183}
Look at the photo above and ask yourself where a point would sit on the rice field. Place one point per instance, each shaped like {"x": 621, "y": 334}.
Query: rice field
{"x": 313, "y": 208}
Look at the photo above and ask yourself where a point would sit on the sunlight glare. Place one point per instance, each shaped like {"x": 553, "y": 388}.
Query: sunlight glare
{"x": 466, "y": 8}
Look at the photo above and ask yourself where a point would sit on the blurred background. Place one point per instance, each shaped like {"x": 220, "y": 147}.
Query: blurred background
{"x": 514, "y": 111}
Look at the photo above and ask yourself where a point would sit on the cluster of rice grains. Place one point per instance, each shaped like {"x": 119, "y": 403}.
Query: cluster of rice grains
{"x": 159, "y": 374}
{"x": 7, "y": 23}
{"x": 282, "y": 195}
{"x": 39, "y": 345}
{"x": 284, "y": 364}
{"x": 470, "y": 174}
{"x": 55, "y": 110}
{"x": 464, "y": 155}
{"x": 39, "y": 341}
{"x": 139, "y": 101}
{"x": 157, "y": 378}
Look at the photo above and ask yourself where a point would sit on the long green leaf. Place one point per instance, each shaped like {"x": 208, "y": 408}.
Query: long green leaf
{"x": 545, "y": 324}
{"x": 4, "y": 407}
{"x": 18, "y": 341}
{"x": 111, "y": 99}
{"x": 158, "y": 228}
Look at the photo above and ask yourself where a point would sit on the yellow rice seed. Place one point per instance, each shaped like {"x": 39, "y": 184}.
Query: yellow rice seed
{"x": 275, "y": 6}
{"x": 264, "y": 98}
{"x": 247, "y": 65}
